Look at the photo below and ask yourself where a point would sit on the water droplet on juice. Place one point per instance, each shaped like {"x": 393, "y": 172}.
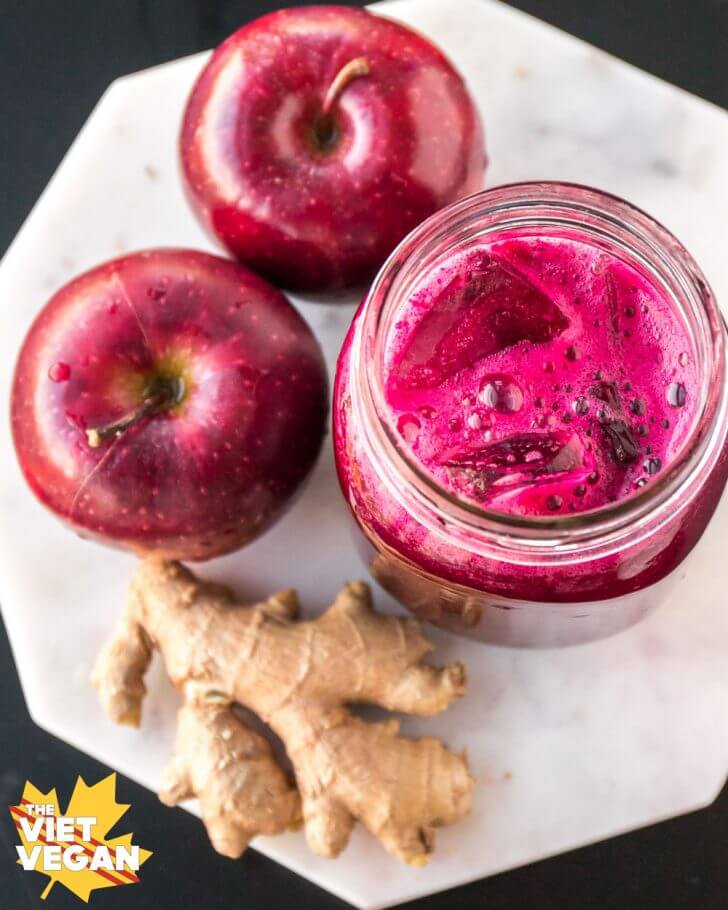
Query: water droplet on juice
{"x": 501, "y": 394}
{"x": 474, "y": 421}
{"x": 580, "y": 406}
{"x": 653, "y": 465}
{"x": 454, "y": 424}
{"x": 641, "y": 482}
{"x": 59, "y": 372}
{"x": 409, "y": 427}
{"x": 427, "y": 411}
{"x": 676, "y": 395}
{"x": 554, "y": 503}
{"x": 683, "y": 359}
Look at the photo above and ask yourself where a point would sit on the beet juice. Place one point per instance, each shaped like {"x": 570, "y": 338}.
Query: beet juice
{"x": 540, "y": 375}
{"x": 530, "y": 415}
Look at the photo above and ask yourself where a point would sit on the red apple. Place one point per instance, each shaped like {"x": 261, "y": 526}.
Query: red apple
{"x": 169, "y": 402}
{"x": 316, "y": 138}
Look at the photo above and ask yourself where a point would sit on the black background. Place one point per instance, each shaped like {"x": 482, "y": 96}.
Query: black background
{"x": 56, "y": 57}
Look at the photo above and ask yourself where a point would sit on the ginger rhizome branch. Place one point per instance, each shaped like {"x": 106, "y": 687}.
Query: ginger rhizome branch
{"x": 298, "y": 677}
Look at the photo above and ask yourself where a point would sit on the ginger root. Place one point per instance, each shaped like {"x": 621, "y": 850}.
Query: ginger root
{"x": 298, "y": 677}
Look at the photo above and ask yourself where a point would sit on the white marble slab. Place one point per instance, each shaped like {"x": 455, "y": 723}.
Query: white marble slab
{"x": 567, "y": 746}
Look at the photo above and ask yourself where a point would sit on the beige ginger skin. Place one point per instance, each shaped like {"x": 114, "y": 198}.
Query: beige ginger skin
{"x": 298, "y": 677}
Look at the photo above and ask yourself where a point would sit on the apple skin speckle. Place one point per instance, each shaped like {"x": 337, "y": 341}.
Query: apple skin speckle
{"x": 239, "y": 428}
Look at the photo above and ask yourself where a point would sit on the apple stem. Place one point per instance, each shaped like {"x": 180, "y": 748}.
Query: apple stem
{"x": 351, "y": 70}
{"x": 163, "y": 395}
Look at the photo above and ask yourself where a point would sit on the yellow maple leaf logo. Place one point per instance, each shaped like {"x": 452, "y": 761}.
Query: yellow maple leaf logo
{"x": 70, "y": 847}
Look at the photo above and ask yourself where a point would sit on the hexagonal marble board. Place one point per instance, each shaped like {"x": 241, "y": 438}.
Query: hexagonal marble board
{"x": 569, "y": 746}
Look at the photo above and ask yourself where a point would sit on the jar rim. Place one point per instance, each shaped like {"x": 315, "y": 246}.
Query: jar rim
{"x": 610, "y": 212}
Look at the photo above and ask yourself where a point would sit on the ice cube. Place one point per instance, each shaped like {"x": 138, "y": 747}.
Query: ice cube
{"x": 519, "y": 460}
{"x": 480, "y": 312}
{"x": 621, "y": 446}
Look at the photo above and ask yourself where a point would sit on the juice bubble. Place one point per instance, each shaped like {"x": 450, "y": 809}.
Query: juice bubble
{"x": 676, "y": 395}
{"x": 409, "y": 428}
{"x": 501, "y": 394}
{"x": 653, "y": 465}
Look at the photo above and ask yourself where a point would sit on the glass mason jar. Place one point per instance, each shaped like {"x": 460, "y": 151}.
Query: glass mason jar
{"x": 536, "y": 581}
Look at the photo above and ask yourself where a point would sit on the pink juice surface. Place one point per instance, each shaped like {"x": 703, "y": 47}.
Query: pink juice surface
{"x": 540, "y": 376}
